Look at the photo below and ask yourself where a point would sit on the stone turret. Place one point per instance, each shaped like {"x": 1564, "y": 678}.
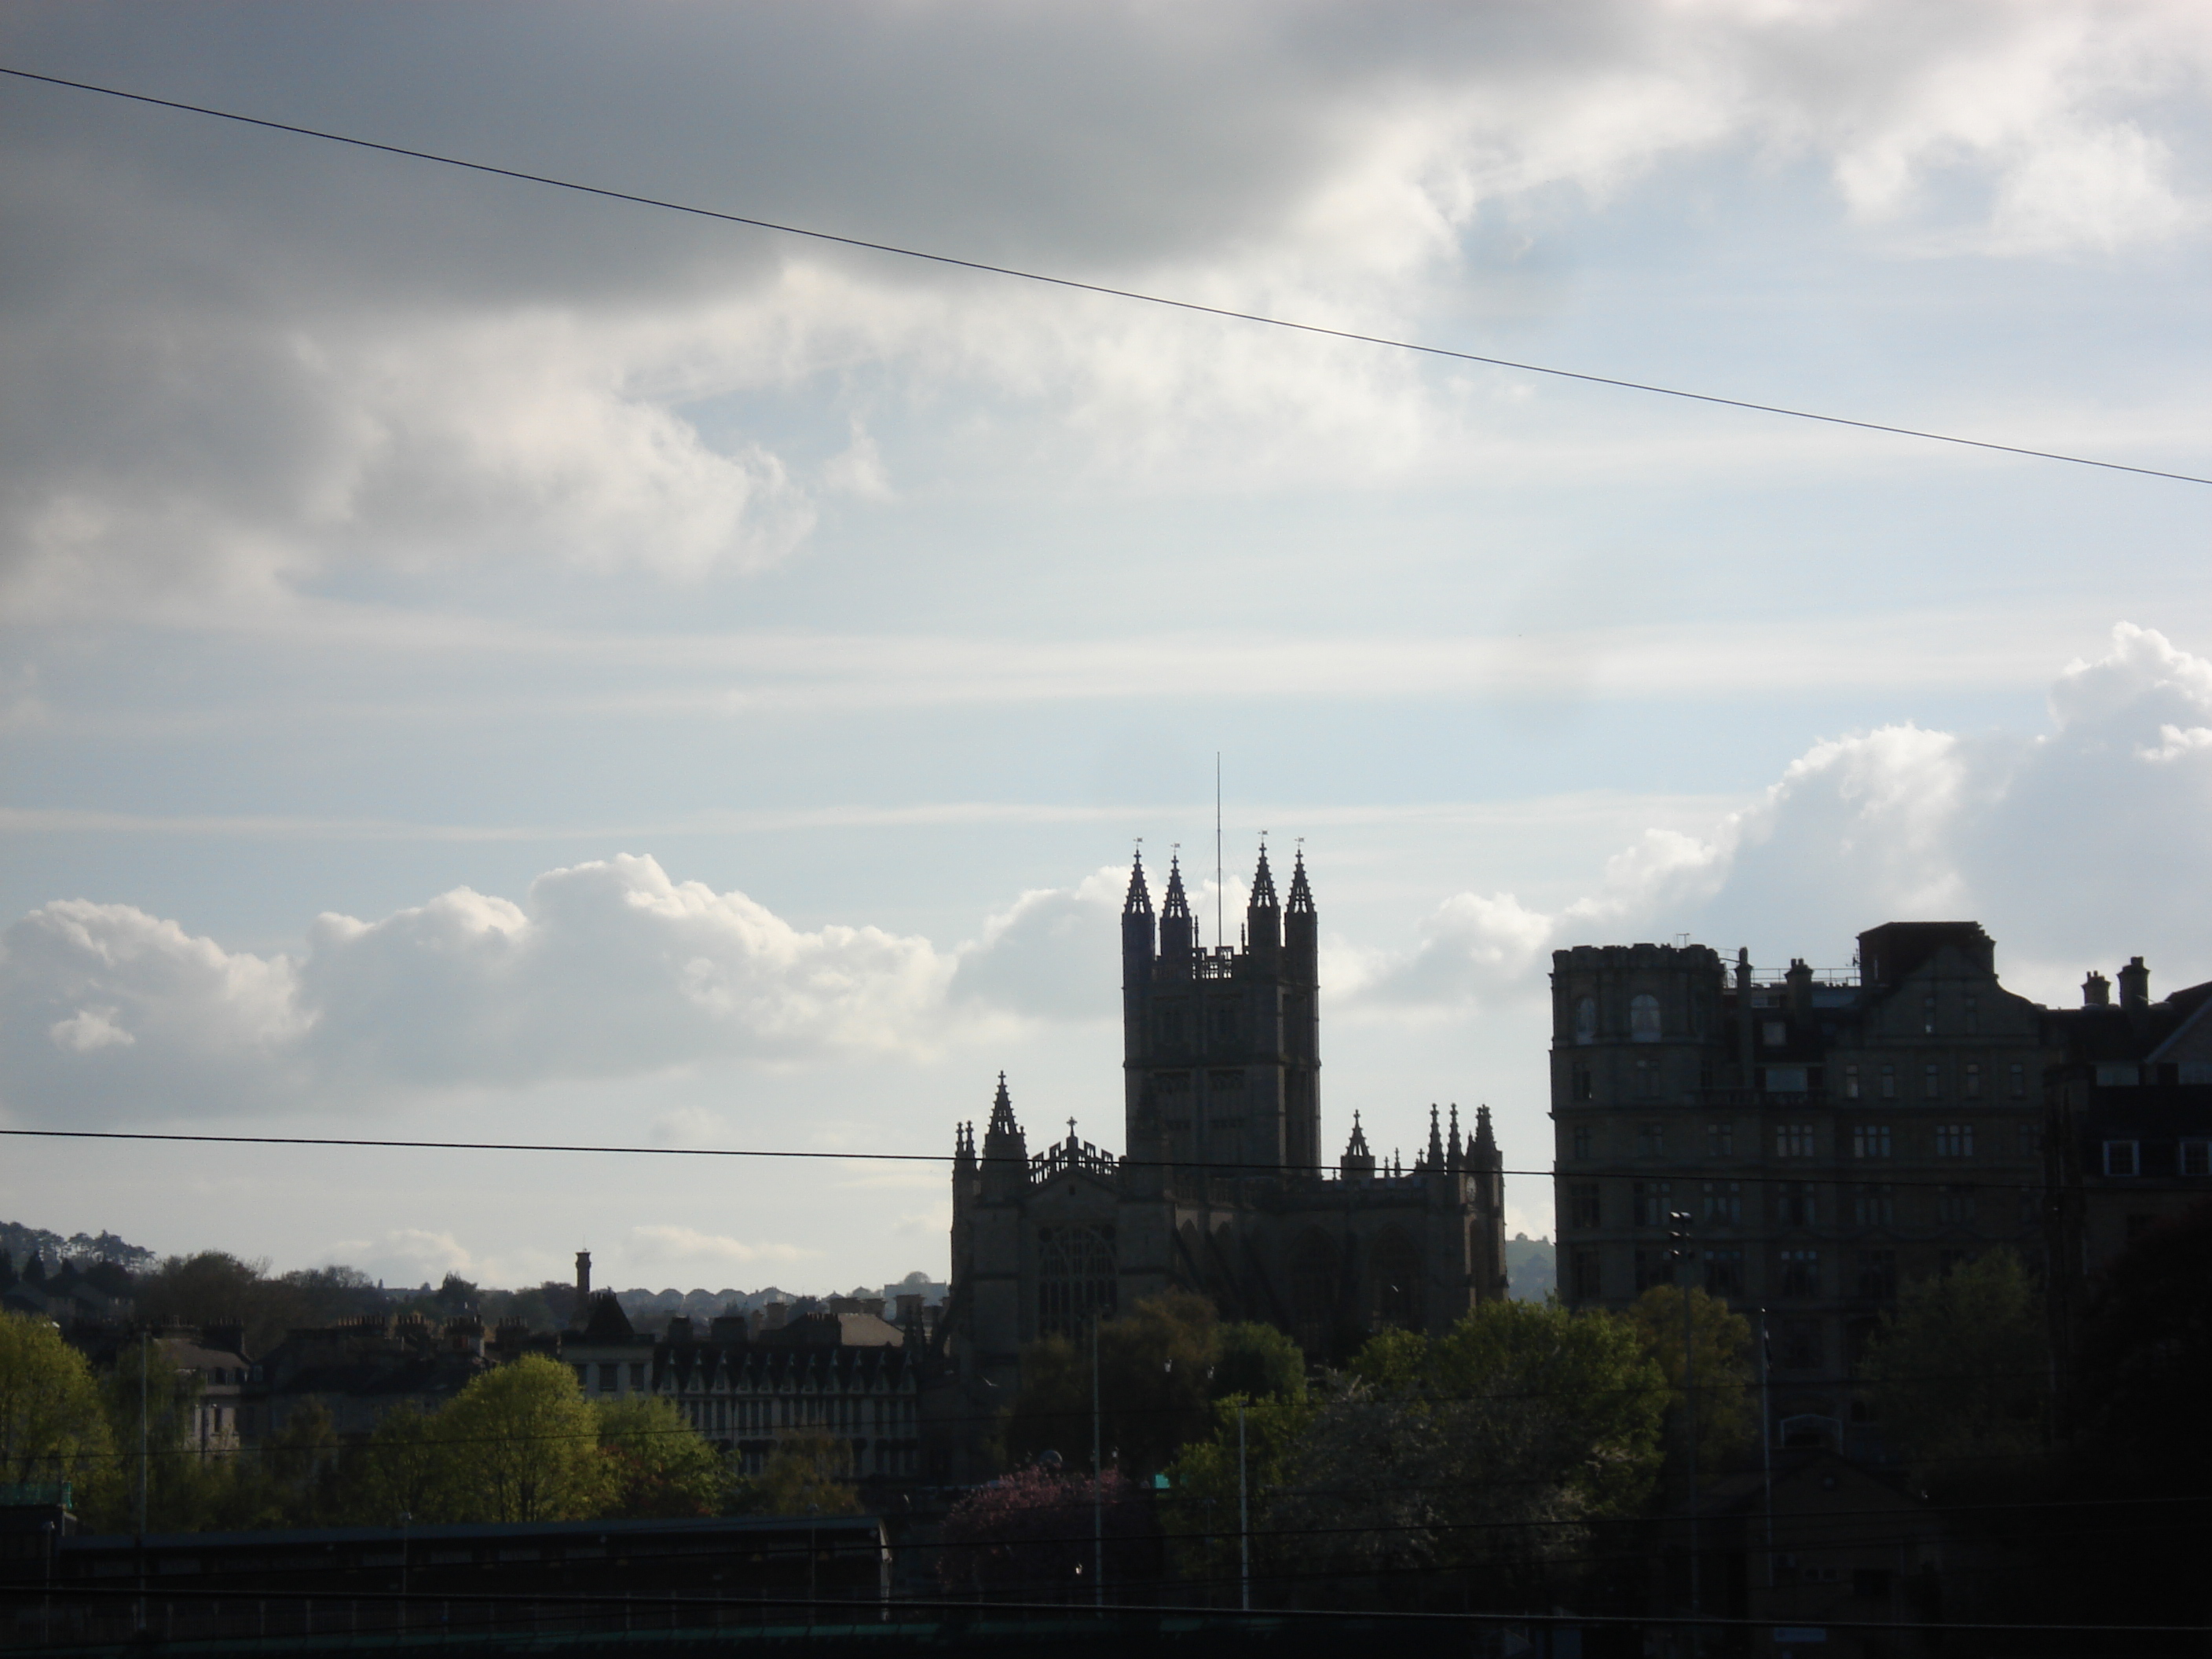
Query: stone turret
{"x": 1005, "y": 1150}
{"x": 1263, "y": 921}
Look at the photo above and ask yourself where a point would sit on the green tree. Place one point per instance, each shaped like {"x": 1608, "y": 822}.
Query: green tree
{"x": 1599, "y": 1392}
{"x": 186, "y": 1490}
{"x": 1722, "y": 1375}
{"x": 810, "y": 1472}
{"x": 1200, "y": 1511}
{"x": 1958, "y": 1375}
{"x": 292, "y": 1478}
{"x": 1155, "y": 1386}
{"x": 1257, "y": 1362}
{"x": 662, "y": 1466}
{"x": 401, "y": 1470}
{"x": 519, "y": 1444}
{"x": 52, "y": 1428}
{"x": 1474, "y": 1458}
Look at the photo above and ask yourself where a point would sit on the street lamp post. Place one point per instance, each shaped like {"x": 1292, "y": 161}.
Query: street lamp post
{"x": 1679, "y": 1233}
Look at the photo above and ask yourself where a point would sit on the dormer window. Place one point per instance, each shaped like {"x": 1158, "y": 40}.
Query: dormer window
{"x": 1644, "y": 1019}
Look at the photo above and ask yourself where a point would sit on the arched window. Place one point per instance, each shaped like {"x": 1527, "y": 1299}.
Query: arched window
{"x": 1586, "y": 1020}
{"x": 1643, "y": 1017}
{"x": 1075, "y": 1278}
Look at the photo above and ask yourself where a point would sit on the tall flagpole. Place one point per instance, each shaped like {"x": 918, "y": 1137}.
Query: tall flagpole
{"x": 1220, "y": 938}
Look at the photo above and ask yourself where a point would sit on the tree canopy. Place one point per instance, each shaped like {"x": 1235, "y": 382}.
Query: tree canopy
{"x": 1958, "y": 1374}
{"x": 52, "y": 1428}
{"x": 810, "y": 1472}
{"x": 1481, "y": 1451}
{"x": 660, "y": 1465}
{"x": 1721, "y": 1375}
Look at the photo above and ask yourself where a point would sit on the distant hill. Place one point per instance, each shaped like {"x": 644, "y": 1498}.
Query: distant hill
{"x": 1532, "y": 1268}
{"x": 652, "y": 1310}
{"x": 20, "y": 1242}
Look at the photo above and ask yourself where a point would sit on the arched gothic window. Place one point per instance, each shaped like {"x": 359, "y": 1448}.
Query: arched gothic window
{"x": 1075, "y": 1278}
{"x": 1586, "y": 1020}
{"x": 1643, "y": 1017}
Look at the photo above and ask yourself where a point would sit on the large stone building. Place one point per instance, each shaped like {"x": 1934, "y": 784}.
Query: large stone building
{"x": 2130, "y": 1139}
{"x": 1830, "y": 1136}
{"x": 1222, "y": 1188}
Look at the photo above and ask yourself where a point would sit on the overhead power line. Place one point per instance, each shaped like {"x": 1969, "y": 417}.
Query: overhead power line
{"x": 1106, "y": 289}
{"x": 1816, "y": 1176}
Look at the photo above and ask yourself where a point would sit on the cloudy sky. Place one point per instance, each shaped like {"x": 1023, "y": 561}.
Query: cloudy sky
{"x": 485, "y": 662}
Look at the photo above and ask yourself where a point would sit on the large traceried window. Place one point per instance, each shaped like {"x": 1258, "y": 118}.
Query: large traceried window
{"x": 1586, "y": 1020}
{"x": 1075, "y": 1278}
{"x": 1643, "y": 1017}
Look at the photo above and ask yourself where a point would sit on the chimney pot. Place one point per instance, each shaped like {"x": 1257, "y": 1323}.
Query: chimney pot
{"x": 2134, "y": 984}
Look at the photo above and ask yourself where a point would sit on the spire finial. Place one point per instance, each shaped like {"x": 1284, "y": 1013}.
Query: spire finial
{"x": 1263, "y": 881}
{"x": 1139, "y": 900}
{"x": 1002, "y": 1110}
{"x": 1301, "y": 901}
{"x": 1175, "y": 904}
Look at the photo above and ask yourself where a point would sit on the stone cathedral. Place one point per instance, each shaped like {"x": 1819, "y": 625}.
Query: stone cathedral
{"x": 1222, "y": 1188}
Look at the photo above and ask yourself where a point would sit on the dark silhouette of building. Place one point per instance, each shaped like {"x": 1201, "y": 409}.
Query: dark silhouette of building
{"x": 2129, "y": 1138}
{"x": 1222, "y": 1188}
{"x": 1831, "y": 1137}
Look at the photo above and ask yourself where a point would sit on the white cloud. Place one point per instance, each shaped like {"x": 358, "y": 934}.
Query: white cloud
{"x": 2076, "y": 845}
{"x": 1055, "y": 952}
{"x": 660, "y": 1245}
{"x": 89, "y": 1028}
{"x": 2079, "y": 846}
{"x": 605, "y": 969}
{"x": 310, "y": 361}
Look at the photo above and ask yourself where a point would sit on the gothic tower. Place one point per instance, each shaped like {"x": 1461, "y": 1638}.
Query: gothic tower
{"x": 1220, "y": 1047}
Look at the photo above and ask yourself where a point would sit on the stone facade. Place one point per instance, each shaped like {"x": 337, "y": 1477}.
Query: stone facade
{"x": 2128, "y": 1143}
{"x": 1222, "y": 1188}
{"x": 1830, "y": 1136}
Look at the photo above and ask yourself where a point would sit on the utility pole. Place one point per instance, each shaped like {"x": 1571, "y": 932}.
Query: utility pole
{"x": 145, "y": 1440}
{"x": 1097, "y": 1479}
{"x": 1679, "y": 1232}
{"x": 1243, "y": 1515}
{"x": 145, "y": 1455}
{"x": 1766, "y": 1444}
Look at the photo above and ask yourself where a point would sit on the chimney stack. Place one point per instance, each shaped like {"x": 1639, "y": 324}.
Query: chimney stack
{"x": 2096, "y": 991}
{"x": 2134, "y": 984}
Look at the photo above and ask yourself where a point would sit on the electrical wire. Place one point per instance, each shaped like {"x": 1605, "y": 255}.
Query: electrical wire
{"x": 1826, "y": 1176}
{"x": 970, "y": 1608}
{"x": 1106, "y": 291}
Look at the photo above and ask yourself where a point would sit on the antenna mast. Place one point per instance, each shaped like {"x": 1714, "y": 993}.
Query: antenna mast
{"x": 1219, "y": 925}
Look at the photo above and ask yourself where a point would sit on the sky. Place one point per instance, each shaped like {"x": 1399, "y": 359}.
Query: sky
{"x": 482, "y": 662}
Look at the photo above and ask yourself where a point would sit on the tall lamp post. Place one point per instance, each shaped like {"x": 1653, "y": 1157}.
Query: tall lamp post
{"x": 1678, "y": 1233}
{"x": 1097, "y": 1479}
